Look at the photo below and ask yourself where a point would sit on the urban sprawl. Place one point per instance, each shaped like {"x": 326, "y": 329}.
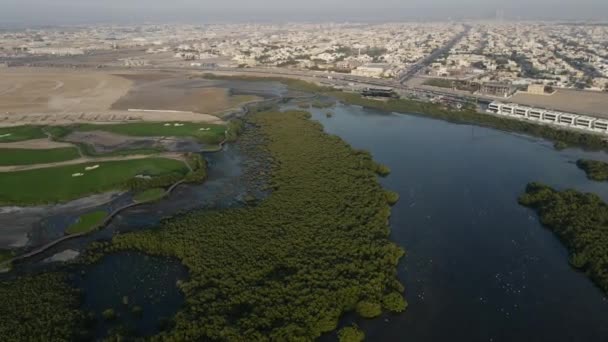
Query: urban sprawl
{"x": 557, "y": 67}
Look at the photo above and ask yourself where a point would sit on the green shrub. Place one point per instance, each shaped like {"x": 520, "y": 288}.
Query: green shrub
{"x": 394, "y": 302}
{"x": 351, "y": 334}
{"x": 367, "y": 309}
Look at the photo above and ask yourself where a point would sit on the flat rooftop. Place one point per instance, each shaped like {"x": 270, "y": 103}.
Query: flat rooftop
{"x": 566, "y": 100}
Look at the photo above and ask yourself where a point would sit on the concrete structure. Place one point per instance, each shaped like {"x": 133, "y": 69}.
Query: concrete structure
{"x": 583, "y": 122}
{"x": 496, "y": 89}
{"x": 537, "y": 89}
{"x": 371, "y": 70}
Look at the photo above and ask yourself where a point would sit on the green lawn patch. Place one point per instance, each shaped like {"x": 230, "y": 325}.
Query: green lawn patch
{"x": 17, "y": 156}
{"x": 207, "y": 133}
{"x": 87, "y": 222}
{"x": 59, "y": 184}
{"x": 58, "y": 132}
{"x": 150, "y": 195}
{"x": 20, "y": 133}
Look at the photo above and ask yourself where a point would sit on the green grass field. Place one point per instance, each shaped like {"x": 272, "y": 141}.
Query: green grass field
{"x": 17, "y": 156}
{"x": 57, "y": 184}
{"x": 20, "y": 133}
{"x": 215, "y": 134}
{"x": 150, "y": 195}
{"x": 87, "y": 222}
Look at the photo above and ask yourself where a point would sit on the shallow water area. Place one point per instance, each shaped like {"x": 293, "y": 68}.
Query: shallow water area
{"x": 141, "y": 291}
{"x": 479, "y": 267}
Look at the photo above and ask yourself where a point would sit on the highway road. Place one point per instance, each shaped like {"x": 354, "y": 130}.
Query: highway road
{"x": 414, "y": 69}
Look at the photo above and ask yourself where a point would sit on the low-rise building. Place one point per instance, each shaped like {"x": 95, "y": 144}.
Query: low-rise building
{"x": 371, "y": 70}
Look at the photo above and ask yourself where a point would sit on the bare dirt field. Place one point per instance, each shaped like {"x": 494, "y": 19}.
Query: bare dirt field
{"x": 27, "y": 90}
{"x": 179, "y": 93}
{"x": 62, "y": 96}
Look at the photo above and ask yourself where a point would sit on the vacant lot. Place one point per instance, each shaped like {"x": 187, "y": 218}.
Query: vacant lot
{"x": 64, "y": 183}
{"x": 25, "y": 90}
{"x": 18, "y": 156}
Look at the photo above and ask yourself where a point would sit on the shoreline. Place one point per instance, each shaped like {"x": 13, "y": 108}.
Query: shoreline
{"x": 106, "y": 221}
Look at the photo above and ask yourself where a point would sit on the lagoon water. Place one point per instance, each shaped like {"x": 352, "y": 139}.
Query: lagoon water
{"x": 479, "y": 267}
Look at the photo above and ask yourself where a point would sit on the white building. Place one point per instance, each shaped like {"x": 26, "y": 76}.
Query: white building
{"x": 551, "y": 117}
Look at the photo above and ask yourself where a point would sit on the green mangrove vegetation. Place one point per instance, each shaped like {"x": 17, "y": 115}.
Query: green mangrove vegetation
{"x": 351, "y": 334}
{"x": 595, "y": 170}
{"x": 288, "y": 268}
{"x": 234, "y": 129}
{"x": 580, "y": 220}
{"x": 40, "y": 308}
{"x": 394, "y": 302}
{"x": 367, "y": 309}
{"x": 70, "y": 182}
{"x": 18, "y": 156}
{"x": 383, "y": 170}
{"x": 87, "y": 222}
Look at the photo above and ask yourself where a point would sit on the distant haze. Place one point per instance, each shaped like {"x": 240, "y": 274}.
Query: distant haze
{"x": 45, "y": 12}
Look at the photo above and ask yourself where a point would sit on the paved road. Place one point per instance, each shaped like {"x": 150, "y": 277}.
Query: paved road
{"x": 413, "y": 70}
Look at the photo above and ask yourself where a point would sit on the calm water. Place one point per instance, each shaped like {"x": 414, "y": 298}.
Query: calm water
{"x": 129, "y": 280}
{"x": 479, "y": 267}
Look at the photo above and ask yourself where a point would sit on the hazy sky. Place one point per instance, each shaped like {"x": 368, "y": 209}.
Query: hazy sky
{"x": 42, "y": 12}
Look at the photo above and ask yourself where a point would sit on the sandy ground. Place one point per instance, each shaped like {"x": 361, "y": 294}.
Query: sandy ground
{"x": 40, "y": 96}
{"x": 36, "y": 144}
{"x": 181, "y": 93}
{"x": 83, "y": 160}
{"x": 27, "y": 90}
